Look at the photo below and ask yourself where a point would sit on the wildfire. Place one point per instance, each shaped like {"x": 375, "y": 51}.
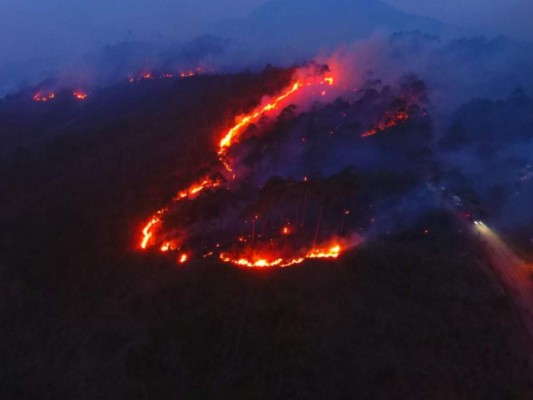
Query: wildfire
{"x": 165, "y": 75}
{"x": 183, "y": 258}
{"x": 148, "y": 231}
{"x": 331, "y": 252}
{"x": 43, "y": 97}
{"x": 189, "y": 74}
{"x": 196, "y": 188}
{"x": 230, "y": 138}
{"x": 80, "y": 95}
{"x": 398, "y": 118}
{"x": 233, "y": 135}
{"x": 257, "y": 263}
{"x": 264, "y": 261}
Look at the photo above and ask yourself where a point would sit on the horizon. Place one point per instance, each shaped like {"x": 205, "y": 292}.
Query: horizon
{"x": 40, "y": 29}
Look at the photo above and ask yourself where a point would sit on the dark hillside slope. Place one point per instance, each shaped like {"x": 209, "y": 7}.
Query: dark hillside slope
{"x": 86, "y": 316}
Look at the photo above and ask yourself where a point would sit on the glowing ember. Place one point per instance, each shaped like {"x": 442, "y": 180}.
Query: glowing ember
{"x": 259, "y": 262}
{"x": 79, "y": 95}
{"x": 43, "y": 97}
{"x": 183, "y": 258}
{"x": 165, "y": 75}
{"x": 398, "y": 118}
{"x": 263, "y": 261}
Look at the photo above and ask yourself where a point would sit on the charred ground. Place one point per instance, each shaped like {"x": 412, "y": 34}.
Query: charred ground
{"x": 407, "y": 315}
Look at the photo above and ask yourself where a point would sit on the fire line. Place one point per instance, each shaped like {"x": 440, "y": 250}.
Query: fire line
{"x": 229, "y": 139}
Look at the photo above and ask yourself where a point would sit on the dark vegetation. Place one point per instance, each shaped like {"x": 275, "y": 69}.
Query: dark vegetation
{"x": 489, "y": 146}
{"x": 312, "y": 172}
{"x": 84, "y": 315}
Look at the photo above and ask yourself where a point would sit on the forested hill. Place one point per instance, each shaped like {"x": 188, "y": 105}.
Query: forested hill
{"x": 86, "y": 315}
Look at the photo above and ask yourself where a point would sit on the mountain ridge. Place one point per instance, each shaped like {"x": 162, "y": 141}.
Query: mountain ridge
{"x": 289, "y": 24}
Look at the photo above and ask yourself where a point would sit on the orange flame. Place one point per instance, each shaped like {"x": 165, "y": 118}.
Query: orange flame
{"x": 196, "y": 188}
{"x": 331, "y": 252}
{"x": 183, "y": 258}
{"x": 230, "y": 138}
{"x": 398, "y": 118}
{"x": 148, "y": 231}
{"x": 264, "y": 261}
{"x": 80, "y": 95}
{"x": 40, "y": 97}
{"x": 165, "y": 75}
{"x": 286, "y": 230}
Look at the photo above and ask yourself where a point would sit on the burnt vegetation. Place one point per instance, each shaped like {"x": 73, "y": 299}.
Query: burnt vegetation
{"x": 409, "y": 314}
{"x": 306, "y": 177}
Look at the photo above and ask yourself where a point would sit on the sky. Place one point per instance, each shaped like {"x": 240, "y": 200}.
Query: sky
{"x": 510, "y": 17}
{"x": 50, "y": 28}
{"x": 40, "y": 28}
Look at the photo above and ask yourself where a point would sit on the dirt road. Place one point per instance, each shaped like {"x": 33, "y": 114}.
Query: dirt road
{"x": 516, "y": 274}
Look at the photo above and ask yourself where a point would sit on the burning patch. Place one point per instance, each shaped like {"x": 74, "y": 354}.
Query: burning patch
{"x": 267, "y": 203}
{"x": 43, "y": 97}
{"x": 80, "y": 95}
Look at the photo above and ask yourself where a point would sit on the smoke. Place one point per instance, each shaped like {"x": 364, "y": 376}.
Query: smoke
{"x": 327, "y": 137}
{"x": 490, "y": 143}
{"x": 408, "y": 113}
{"x": 297, "y": 178}
{"x": 408, "y": 109}
{"x": 472, "y": 111}
{"x": 455, "y": 71}
{"x": 278, "y": 33}
{"x": 511, "y": 17}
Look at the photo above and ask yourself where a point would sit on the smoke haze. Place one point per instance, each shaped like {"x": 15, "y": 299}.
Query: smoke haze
{"x": 370, "y": 46}
{"x": 101, "y": 41}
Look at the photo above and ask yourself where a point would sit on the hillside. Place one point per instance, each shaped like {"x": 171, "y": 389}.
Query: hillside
{"x": 87, "y": 315}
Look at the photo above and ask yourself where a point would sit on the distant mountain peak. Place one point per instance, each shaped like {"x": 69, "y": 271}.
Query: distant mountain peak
{"x": 314, "y": 24}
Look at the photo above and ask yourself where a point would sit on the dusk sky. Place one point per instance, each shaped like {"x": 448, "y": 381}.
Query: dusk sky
{"x": 37, "y": 28}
